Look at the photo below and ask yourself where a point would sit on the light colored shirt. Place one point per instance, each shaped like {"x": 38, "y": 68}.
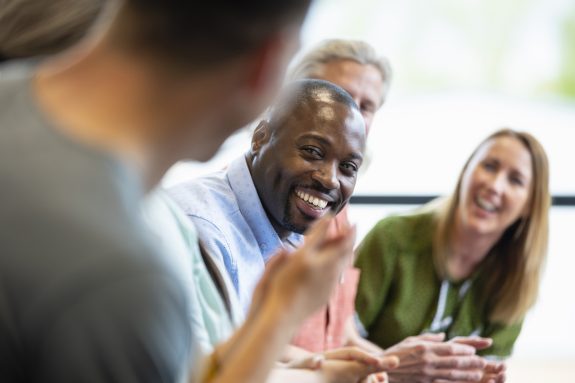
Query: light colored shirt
{"x": 232, "y": 224}
{"x": 213, "y": 321}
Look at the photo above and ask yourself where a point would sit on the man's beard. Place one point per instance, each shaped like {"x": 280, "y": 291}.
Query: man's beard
{"x": 287, "y": 221}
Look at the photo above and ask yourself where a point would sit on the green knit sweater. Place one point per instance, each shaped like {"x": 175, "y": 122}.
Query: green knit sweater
{"x": 400, "y": 293}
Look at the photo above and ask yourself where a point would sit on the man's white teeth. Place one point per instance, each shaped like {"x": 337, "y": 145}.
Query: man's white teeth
{"x": 485, "y": 205}
{"x": 317, "y": 202}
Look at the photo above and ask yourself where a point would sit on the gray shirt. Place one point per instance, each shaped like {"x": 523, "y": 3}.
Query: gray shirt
{"x": 83, "y": 296}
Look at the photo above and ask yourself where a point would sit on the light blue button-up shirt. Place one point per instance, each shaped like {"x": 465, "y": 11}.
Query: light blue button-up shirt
{"x": 232, "y": 224}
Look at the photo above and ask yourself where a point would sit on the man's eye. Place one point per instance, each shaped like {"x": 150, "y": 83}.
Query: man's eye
{"x": 349, "y": 166}
{"x": 314, "y": 152}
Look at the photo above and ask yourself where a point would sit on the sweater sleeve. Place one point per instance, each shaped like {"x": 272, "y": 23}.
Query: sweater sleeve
{"x": 504, "y": 337}
{"x": 376, "y": 258}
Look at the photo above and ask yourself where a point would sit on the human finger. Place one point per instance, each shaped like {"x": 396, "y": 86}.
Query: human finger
{"x": 455, "y": 375}
{"x": 451, "y": 349}
{"x": 318, "y": 232}
{"x": 494, "y": 367}
{"x": 338, "y": 251}
{"x": 457, "y": 362}
{"x": 313, "y": 362}
{"x": 352, "y": 353}
{"x": 429, "y": 337}
{"x": 477, "y": 342}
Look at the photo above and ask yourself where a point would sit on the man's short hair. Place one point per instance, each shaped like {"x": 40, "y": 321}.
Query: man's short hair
{"x": 310, "y": 64}
{"x": 203, "y": 33}
{"x": 301, "y": 93}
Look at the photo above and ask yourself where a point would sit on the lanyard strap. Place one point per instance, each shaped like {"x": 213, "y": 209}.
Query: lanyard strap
{"x": 439, "y": 323}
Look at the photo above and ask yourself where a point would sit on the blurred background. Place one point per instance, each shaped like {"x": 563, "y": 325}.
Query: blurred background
{"x": 463, "y": 69}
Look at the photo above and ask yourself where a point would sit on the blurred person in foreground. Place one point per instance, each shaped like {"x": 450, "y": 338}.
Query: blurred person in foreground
{"x": 86, "y": 295}
{"x": 467, "y": 265}
{"x": 34, "y": 29}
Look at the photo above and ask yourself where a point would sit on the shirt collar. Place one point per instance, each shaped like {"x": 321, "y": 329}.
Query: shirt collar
{"x": 252, "y": 210}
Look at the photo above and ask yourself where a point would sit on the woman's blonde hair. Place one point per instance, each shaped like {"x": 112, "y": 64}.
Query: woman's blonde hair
{"x": 511, "y": 285}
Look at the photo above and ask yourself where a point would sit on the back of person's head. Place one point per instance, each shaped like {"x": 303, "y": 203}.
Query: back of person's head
{"x": 201, "y": 34}
{"x": 31, "y": 28}
{"x": 327, "y": 51}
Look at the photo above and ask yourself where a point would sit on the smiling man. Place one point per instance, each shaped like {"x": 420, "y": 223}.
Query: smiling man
{"x": 302, "y": 165}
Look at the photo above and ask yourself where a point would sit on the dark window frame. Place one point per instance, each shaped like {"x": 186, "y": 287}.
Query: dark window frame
{"x": 408, "y": 199}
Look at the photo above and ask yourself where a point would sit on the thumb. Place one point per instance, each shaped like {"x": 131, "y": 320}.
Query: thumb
{"x": 317, "y": 234}
{"x": 312, "y": 362}
{"x": 389, "y": 363}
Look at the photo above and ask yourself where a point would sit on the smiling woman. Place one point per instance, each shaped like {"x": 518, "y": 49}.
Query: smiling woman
{"x": 466, "y": 265}
{"x": 498, "y": 216}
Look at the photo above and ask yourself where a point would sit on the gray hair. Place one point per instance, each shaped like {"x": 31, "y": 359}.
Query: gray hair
{"x": 31, "y": 28}
{"x": 327, "y": 51}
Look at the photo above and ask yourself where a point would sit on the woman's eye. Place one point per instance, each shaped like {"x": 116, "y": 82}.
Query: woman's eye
{"x": 517, "y": 181}
{"x": 370, "y": 109}
{"x": 489, "y": 166}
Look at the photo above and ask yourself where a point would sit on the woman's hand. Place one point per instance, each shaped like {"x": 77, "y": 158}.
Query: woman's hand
{"x": 427, "y": 359}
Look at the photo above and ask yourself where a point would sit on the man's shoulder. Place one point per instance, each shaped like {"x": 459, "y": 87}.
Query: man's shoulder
{"x": 72, "y": 226}
{"x": 209, "y": 197}
{"x": 14, "y": 83}
{"x": 63, "y": 242}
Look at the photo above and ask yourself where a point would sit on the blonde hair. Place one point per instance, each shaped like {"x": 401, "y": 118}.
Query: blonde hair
{"x": 338, "y": 49}
{"x": 515, "y": 263}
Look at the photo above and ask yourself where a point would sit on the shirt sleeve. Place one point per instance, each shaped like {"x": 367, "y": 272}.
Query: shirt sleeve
{"x": 132, "y": 329}
{"x": 375, "y": 259}
{"x": 216, "y": 246}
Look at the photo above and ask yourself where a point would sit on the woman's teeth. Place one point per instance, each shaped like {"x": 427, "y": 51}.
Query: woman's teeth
{"x": 485, "y": 205}
{"x": 315, "y": 201}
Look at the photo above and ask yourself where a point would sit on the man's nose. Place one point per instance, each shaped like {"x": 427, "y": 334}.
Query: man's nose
{"x": 326, "y": 175}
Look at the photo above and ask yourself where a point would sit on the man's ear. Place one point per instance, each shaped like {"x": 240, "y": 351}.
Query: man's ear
{"x": 261, "y": 136}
